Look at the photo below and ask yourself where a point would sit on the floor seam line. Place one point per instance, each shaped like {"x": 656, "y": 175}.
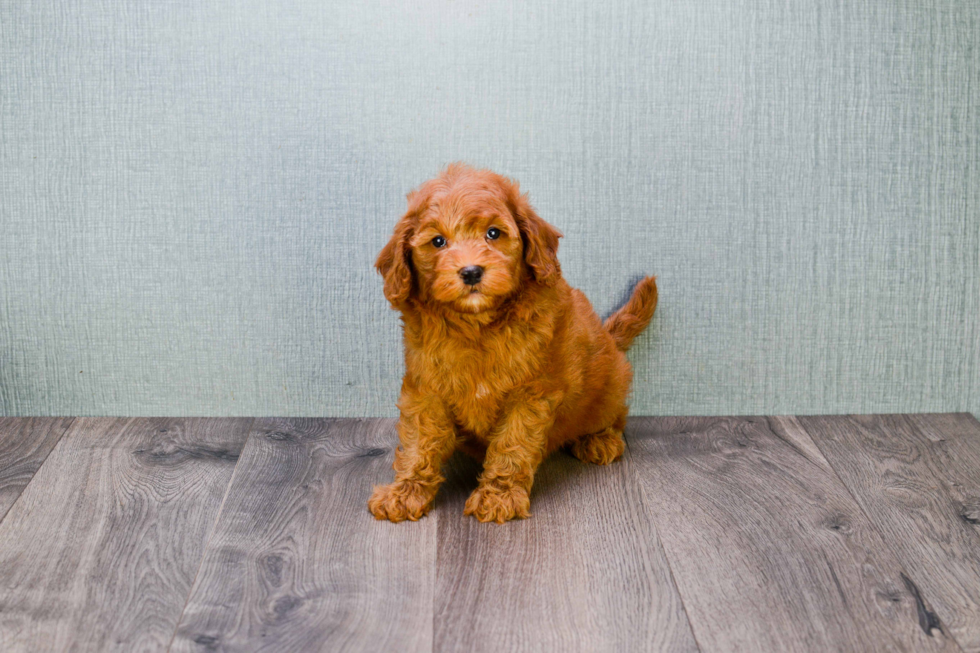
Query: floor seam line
{"x": 867, "y": 516}
{"x": 663, "y": 549}
{"x": 34, "y": 475}
{"x": 207, "y": 544}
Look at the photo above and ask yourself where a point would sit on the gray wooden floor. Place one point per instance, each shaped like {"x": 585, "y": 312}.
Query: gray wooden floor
{"x": 856, "y": 533}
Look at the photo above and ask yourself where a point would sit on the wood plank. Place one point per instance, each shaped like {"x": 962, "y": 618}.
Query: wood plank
{"x": 298, "y": 563}
{"x": 24, "y": 444}
{"x": 101, "y": 549}
{"x": 585, "y": 573}
{"x": 769, "y": 550}
{"x": 918, "y": 479}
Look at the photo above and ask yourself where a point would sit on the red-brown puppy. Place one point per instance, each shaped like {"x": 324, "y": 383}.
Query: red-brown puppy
{"x": 503, "y": 359}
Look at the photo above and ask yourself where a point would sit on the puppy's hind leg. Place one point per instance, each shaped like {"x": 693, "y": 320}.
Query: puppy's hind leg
{"x": 603, "y": 447}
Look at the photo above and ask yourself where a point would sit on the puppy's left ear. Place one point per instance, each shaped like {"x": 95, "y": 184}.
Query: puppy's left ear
{"x": 395, "y": 263}
{"x": 540, "y": 239}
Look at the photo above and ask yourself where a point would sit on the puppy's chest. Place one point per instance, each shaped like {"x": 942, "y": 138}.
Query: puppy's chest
{"x": 474, "y": 378}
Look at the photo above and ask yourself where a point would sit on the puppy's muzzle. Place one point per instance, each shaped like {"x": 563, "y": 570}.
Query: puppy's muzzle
{"x": 471, "y": 274}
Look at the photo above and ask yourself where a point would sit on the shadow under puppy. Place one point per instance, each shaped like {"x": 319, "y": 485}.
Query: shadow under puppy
{"x": 503, "y": 359}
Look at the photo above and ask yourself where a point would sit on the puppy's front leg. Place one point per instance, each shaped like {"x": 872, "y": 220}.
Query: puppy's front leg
{"x": 517, "y": 446}
{"x": 428, "y": 438}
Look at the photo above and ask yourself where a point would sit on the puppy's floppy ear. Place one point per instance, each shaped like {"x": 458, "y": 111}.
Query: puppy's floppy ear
{"x": 395, "y": 262}
{"x": 540, "y": 238}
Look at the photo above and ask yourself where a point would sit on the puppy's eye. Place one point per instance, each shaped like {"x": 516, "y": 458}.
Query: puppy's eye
{"x": 493, "y": 233}
{"x": 438, "y": 242}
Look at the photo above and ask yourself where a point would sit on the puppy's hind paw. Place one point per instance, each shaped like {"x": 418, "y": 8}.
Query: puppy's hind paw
{"x": 600, "y": 448}
{"x": 491, "y": 504}
{"x": 400, "y": 501}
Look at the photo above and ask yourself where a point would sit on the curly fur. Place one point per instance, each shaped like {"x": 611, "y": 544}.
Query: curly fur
{"x": 508, "y": 370}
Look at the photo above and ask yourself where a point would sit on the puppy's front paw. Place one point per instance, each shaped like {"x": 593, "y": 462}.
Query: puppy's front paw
{"x": 488, "y": 503}
{"x": 400, "y": 501}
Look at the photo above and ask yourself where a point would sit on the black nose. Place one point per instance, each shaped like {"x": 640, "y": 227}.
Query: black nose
{"x": 471, "y": 274}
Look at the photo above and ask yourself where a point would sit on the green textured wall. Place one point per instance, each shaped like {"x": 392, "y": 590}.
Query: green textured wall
{"x": 192, "y": 193}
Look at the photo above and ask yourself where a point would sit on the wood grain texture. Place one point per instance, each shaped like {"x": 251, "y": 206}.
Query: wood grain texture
{"x": 297, "y": 563}
{"x": 769, "y": 550}
{"x": 24, "y": 444}
{"x": 101, "y": 549}
{"x": 585, "y": 573}
{"x": 918, "y": 479}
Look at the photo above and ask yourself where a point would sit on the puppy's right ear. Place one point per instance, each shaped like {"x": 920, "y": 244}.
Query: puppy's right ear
{"x": 540, "y": 238}
{"x": 395, "y": 260}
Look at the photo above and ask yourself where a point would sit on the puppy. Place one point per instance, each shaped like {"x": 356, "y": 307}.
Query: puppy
{"x": 503, "y": 359}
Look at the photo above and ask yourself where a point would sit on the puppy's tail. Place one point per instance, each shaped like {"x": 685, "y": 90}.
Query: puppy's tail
{"x": 629, "y": 321}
